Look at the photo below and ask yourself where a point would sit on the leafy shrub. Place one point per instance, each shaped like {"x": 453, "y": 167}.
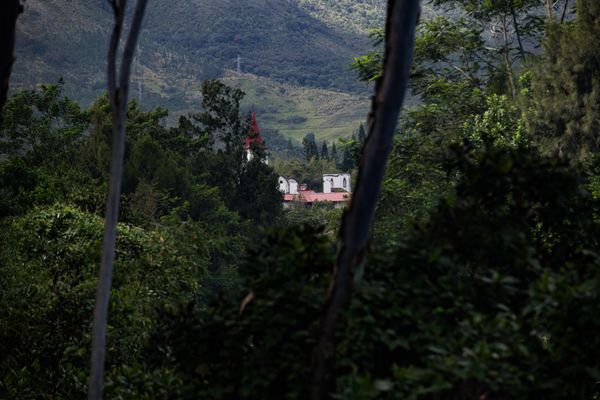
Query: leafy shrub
{"x": 256, "y": 343}
{"x": 49, "y": 262}
{"x": 495, "y": 297}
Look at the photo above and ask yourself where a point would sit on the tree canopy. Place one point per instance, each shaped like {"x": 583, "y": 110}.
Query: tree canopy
{"x": 479, "y": 279}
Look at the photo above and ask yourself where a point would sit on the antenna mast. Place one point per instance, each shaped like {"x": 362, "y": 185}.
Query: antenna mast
{"x": 239, "y": 64}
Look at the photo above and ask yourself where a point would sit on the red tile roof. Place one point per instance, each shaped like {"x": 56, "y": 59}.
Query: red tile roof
{"x": 309, "y": 196}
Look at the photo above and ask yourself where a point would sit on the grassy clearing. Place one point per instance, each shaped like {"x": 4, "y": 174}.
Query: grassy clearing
{"x": 294, "y": 110}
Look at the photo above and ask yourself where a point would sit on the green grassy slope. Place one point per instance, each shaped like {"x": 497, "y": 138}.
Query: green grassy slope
{"x": 295, "y": 111}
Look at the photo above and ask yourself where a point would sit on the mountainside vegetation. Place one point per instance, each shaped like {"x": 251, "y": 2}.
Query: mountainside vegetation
{"x": 184, "y": 43}
{"x": 349, "y": 15}
{"x": 480, "y": 274}
{"x": 294, "y": 111}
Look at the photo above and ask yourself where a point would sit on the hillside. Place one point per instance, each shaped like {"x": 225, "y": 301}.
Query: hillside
{"x": 292, "y": 43}
{"x": 348, "y": 15}
{"x": 274, "y": 38}
{"x": 295, "y": 110}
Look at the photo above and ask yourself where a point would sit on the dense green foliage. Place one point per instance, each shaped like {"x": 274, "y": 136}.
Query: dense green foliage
{"x": 482, "y": 279}
{"x": 189, "y": 200}
{"x": 49, "y": 262}
{"x": 496, "y": 295}
{"x": 566, "y": 110}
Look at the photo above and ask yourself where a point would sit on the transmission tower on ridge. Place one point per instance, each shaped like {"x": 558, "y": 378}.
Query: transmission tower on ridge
{"x": 239, "y": 64}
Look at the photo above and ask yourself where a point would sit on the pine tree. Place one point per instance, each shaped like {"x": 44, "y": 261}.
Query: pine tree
{"x": 566, "y": 89}
{"x": 324, "y": 151}
{"x": 333, "y": 156}
{"x": 362, "y": 135}
{"x": 350, "y": 154}
{"x": 310, "y": 147}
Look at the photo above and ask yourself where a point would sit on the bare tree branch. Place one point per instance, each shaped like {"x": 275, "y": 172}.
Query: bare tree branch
{"x": 564, "y": 13}
{"x": 118, "y": 101}
{"x": 513, "y": 13}
{"x": 356, "y": 224}
{"x": 9, "y": 11}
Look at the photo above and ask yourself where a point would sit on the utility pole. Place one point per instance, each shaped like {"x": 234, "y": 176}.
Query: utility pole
{"x": 239, "y": 64}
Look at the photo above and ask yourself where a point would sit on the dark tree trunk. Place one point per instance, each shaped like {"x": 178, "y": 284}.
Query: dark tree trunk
{"x": 9, "y": 11}
{"x": 356, "y": 224}
{"x": 118, "y": 101}
{"x": 507, "y": 59}
{"x": 517, "y": 29}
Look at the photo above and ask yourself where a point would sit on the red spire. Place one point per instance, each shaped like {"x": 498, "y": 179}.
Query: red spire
{"x": 253, "y": 137}
{"x": 253, "y": 129}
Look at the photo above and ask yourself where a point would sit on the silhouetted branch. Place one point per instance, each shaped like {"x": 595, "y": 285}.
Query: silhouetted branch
{"x": 356, "y": 224}
{"x": 9, "y": 11}
{"x": 513, "y": 13}
{"x": 564, "y": 12}
{"x": 118, "y": 101}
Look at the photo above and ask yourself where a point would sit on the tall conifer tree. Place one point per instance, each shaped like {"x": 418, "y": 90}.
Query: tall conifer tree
{"x": 310, "y": 147}
{"x": 566, "y": 89}
{"x": 333, "y": 156}
{"x": 324, "y": 151}
{"x": 362, "y": 135}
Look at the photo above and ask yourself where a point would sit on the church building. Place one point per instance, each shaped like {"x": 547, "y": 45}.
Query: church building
{"x": 336, "y": 190}
{"x": 288, "y": 185}
{"x": 254, "y": 141}
{"x": 336, "y": 183}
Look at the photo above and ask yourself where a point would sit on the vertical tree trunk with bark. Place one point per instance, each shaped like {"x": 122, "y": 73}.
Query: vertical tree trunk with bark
{"x": 549, "y": 12}
{"x": 401, "y": 23}
{"x": 118, "y": 101}
{"x": 507, "y": 58}
{"x": 9, "y": 11}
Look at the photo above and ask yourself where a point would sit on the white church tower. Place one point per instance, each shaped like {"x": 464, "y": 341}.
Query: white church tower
{"x": 254, "y": 140}
{"x": 336, "y": 183}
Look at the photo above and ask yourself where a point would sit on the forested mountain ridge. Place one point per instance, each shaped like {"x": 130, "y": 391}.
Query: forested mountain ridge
{"x": 300, "y": 43}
